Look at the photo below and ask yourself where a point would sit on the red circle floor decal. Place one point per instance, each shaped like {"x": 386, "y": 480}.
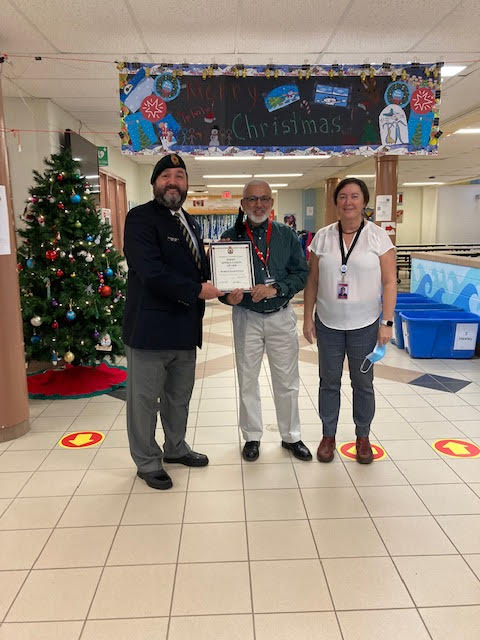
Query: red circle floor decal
{"x": 456, "y": 448}
{"x": 349, "y": 450}
{"x": 81, "y": 439}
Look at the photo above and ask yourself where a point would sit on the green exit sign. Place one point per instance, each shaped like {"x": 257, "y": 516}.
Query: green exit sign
{"x": 102, "y": 153}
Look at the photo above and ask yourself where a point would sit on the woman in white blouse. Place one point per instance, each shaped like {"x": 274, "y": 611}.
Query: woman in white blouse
{"x": 351, "y": 282}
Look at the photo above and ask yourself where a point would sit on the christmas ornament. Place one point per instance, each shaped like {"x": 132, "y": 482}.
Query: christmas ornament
{"x": 51, "y": 254}
{"x": 73, "y": 275}
{"x": 108, "y": 272}
{"x": 61, "y": 206}
{"x": 95, "y": 335}
{"x": 69, "y": 356}
{"x": 62, "y": 254}
{"x": 36, "y": 321}
{"x": 54, "y": 325}
{"x": 41, "y": 221}
{"x": 78, "y": 224}
{"x": 30, "y": 263}
{"x": 87, "y": 191}
{"x": 105, "y": 291}
{"x": 60, "y": 177}
{"x": 54, "y": 303}
{"x": 105, "y": 340}
{"x": 89, "y": 257}
{"x": 75, "y": 198}
{"x": 54, "y": 358}
{"x": 51, "y": 199}
{"x": 70, "y": 315}
{"x": 35, "y": 339}
{"x": 19, "y": 267}
{"x": 59, "y": 273}
{"x": 89, "y": 238}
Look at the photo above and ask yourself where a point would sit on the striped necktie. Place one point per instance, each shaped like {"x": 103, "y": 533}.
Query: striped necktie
{"x": 189, "y": 241}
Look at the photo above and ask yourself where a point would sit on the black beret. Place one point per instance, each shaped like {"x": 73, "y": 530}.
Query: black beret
{"x": 172, "y": 161}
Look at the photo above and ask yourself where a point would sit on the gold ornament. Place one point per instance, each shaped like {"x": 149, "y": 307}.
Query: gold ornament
{"x": 69, "y": 357}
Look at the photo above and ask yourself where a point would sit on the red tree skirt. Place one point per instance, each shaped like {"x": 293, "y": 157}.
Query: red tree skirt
{"x": 76, "y": 382}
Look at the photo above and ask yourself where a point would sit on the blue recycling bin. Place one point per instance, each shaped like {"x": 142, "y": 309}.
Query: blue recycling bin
{"x": 404, "y": 296}
{"x": 413, "y": 305}
{"x": 437, "y": 333}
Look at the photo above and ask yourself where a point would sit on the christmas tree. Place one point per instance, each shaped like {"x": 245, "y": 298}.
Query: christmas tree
{"x": 71, "y": 279}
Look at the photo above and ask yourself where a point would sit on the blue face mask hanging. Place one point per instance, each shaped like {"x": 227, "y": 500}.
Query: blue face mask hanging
{"x": 376, "y": 355}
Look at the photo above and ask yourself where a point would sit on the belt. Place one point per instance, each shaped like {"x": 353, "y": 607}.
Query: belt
{"x": 279, "y": 308}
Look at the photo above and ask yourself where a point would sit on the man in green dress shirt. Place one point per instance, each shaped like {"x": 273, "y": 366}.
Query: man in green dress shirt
{"x": 264, "y": 321}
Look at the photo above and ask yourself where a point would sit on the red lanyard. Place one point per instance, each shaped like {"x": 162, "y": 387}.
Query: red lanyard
{"x": 257, "y": 250}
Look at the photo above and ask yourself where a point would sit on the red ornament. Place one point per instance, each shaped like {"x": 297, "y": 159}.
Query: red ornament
{"x": 54, "y": 324}
{"x": 61, "y": 206}
{"x": 19, "y": 267}
{"x": 51, "y": 254}
{"x": 105, "y": 291}
{"x": 59, "y": 273}
{"x": 60, "y": 177}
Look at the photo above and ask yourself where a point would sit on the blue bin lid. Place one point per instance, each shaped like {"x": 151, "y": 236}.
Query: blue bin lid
{"x": 439, "y": 314}
{"x": 413, "y": 304}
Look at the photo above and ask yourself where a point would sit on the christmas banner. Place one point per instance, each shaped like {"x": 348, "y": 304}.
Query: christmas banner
{"x": 279, "y": 110}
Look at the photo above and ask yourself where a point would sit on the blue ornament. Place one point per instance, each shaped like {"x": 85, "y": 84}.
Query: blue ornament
{"x": 54, "y": 358}
{"x": 75, "y": 198}
{"x": 35, "y": 339}
{"x": 108, "y": 272}
{"x": 89, "y": 238}
{"x": 70, "y": 315}
{"x": 30, "y": 263}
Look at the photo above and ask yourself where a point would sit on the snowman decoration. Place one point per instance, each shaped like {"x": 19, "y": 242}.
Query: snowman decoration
{"x": 214, "y": 141}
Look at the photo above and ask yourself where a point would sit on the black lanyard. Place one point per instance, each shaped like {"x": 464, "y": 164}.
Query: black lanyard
{"x": 343, "y": 268}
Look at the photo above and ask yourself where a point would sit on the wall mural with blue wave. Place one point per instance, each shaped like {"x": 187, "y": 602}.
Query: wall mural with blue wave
{"x": 447, "y": 283}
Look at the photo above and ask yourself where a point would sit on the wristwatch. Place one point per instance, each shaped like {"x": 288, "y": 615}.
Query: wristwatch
{"x": 277, "y": 288}
{"x": 387, "y": 323}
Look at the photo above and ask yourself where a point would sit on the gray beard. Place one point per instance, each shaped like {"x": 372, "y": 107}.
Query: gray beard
{"x": 172, "y": 200}
{"x": 256, "y": 219}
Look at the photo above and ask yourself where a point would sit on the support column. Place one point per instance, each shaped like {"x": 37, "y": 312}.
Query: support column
{"x": 330, "y": 212}
{"x": 14, "y": 413}
{"x": 386, "y": 180}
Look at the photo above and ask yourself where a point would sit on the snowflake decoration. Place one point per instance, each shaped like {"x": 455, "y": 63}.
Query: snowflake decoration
{"x": 422, "y": 101}
{"x": 153, "y": 108}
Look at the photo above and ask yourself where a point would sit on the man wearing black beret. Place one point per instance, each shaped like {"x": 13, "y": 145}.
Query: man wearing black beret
{"x": 162, "y": 326}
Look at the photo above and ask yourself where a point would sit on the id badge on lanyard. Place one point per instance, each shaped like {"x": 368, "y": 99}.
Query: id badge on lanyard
{"x": 264, "y": 260}
{"x": 342, "y": 285}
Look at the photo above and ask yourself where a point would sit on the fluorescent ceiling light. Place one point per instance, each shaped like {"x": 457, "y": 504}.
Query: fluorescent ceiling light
{"x": 77, "y": 159}
{"x": 239, "y": 186}
{"x": 361, "y": 175}
{"x": 95, "y": 175}
{"x": 232, "y": 175}
{"x": 323, "y": 157}
{"x": 277, "y": 175}
{"x": 420, "y": 184}
{"x": 450, "y": 70}
{"x": 196, "y": 193}
{"x": 222, "y": 158}
{"x": 472, "y": 130}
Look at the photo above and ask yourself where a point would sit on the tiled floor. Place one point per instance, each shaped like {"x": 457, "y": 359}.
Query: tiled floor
{"x": 271, "y": 550}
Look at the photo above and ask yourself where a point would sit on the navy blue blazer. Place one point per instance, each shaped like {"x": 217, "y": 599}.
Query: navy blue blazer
{"x": 162, "y": 309}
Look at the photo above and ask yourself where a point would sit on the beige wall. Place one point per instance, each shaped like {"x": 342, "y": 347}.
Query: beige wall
{"x": 38, "y": 114}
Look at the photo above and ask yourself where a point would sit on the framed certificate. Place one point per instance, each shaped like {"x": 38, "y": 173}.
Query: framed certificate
{"x": 232, "y": 265}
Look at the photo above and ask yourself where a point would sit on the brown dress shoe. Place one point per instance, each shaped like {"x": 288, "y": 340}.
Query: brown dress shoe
{"x": 364, "y": 451}
{"x": 326, "y": 449}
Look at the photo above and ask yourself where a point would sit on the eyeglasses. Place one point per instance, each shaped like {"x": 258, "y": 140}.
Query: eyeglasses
{"x": 263, "y": 199}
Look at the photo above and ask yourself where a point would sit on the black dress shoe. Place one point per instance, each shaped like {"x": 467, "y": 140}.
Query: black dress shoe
{"x": 156, "y": 479}
{"x": 190, "y": 459}
{"x": 251, "y": 450}
{"x": 298, "y": 449}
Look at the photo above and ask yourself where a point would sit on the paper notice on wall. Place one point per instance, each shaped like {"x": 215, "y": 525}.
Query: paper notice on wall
{"x": 309, "y": 211}
{"x": 5, "y": 248}
{"x": 390, "y": 227}
{"x": 106, "y": 216}
{"x": 383, "y": 208}
{"x": 465, "y": 336}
